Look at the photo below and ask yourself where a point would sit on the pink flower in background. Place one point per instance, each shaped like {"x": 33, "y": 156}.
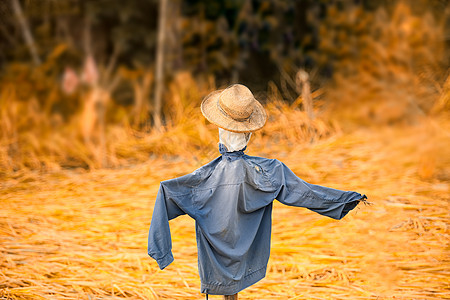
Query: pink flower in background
{"x": 70, "y": 81}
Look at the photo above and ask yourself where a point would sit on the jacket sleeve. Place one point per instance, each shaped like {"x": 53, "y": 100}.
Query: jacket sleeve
{"x": 159, "y": 239}
{"x": 326, "y": 201}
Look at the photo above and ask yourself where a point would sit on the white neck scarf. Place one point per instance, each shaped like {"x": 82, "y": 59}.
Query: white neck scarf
{"x": 232, "y": 140}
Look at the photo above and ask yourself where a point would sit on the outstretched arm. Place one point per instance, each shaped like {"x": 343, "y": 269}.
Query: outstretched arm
{"x": 323, "y": 200}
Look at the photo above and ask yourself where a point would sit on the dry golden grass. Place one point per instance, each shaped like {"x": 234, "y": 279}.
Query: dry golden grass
{"x": 391, "y": 61}
{"x": 32, "y": 138}
{"x": 82, "y": 235}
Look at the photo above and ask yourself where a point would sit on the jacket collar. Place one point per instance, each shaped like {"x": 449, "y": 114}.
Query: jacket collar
{"x": 231, "y": 155}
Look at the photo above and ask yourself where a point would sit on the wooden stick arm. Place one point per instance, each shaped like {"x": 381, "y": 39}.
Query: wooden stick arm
{"x": 230, "y": 297}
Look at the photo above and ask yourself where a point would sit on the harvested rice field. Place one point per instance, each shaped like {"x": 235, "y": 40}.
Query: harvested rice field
{"x": 74, "y": 234}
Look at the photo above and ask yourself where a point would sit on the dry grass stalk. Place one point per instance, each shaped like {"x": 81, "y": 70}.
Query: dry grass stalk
{"x": 303, "y": 85}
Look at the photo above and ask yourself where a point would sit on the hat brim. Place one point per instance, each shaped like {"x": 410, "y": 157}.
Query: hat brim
{"x": 213, "y": 114}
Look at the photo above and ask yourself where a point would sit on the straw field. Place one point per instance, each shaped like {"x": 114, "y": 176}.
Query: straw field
{"x": 78, "y": 234}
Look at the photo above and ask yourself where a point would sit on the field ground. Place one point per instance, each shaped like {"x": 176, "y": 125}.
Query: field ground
{"x": 83, "y": 235}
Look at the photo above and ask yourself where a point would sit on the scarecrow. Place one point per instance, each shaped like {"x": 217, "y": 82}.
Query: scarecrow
{"x": 231, "y": 197}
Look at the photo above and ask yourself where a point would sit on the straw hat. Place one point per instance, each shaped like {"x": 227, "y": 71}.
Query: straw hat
{"x": 234, "y": 109}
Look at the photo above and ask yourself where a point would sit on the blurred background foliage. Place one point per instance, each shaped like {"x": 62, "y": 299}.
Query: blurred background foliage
{"x": 80, "y": 93}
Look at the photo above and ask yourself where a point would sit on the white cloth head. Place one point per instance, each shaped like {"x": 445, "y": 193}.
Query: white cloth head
{"x": 234, "y": 141}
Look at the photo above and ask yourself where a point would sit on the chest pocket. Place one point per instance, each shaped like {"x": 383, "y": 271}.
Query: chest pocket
{"x": 257, "y": 177}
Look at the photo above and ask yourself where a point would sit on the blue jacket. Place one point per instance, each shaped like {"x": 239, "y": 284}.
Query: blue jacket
{"x": 230, "y": 199}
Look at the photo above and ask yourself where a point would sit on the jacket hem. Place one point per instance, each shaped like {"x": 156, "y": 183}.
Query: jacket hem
{"x": 234, "y": 288}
